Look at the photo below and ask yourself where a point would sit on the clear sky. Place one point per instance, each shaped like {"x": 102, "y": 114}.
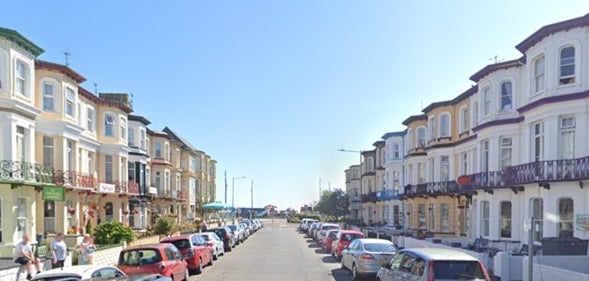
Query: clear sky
{"x": 272, "y": 89}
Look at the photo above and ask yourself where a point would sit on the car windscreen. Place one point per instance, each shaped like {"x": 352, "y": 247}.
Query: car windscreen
{"x": 462, "y": 270}
{"x": 139, "y": 257}
{"x": 379, "y": 247}
{"x": 181, "y": 243}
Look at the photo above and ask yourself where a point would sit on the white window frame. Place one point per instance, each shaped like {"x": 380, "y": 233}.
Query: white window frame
{"x": 123, "y": 128}
{"x": 464, "y": 119}
{"x": 487, "y": 101}
{"x": 21, "y": 149}
{"x": 90, "y": 119}
{"x": 158, "y": 149}
{"x": 396, "y": 151}
{"x": 485, "y": 218}
{"x": 485, "y": 155}
{"x": 566, "y": 214}
{"x": 445, "y": 125}
{"x": 566, "y": 62}
{"x": 505, "y": 219}
{"x": 505, "y": 152}
{"x": 3, "y": 76}
{"x": 48, "y": 151}
{"x": 506, "y": 95}
{"x": 48, "y": 96}
{"x": 109, "y": 125}
{"x": 22, "y": 74}
{"x": 421, "y": 138}
{"x": 475, "y": 114}
{"x": 70, "y": 102}
{"x": 444, "y": 218}
{"x": 108, "y": 168}
{"x": 537, "y": 214}
{"x": 444, "y": 168}
{"x": 537, "y": 141}
{"x": 142, "y": 139}
{"x": 431, "y": 126}
{"x": 566, "y": 137}
{"x": 131, "y": 137}
{"x": 432, "y": 170}
{"x": 539, "y": 74}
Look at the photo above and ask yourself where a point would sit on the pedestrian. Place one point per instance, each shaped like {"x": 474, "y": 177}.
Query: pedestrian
{"x": 58, "y": 251}
{"x": 86, "y": 250}
{"x": 24, "y": 256}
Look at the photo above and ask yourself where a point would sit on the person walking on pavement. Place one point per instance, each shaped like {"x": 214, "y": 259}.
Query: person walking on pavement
{"x": 58, "y": 251}
{"x": 86, "y": 250}
{"x": 24, "y": 256}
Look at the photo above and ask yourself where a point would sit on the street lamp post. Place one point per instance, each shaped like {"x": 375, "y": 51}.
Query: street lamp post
{"x": 233, "y": 194}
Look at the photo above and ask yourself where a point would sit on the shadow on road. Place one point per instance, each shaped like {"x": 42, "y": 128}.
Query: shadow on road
{"x": 320, "y": 251}
{"x": 313, "y": 245}
{"x": 341, "y": 274}
{"x": 310, "y": 241}
{"x": 328, "y": 259}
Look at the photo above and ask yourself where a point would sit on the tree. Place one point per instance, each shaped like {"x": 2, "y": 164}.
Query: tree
{"x": 334, "y": 203}
{"x": 164, "y": 226}
{"x": 113, "y": 232}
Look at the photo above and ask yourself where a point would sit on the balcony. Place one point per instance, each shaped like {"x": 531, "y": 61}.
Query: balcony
{"x": 370, "y": 197}
{"x": 386, "y": 195}
{"x": 541, "y": 172}
{"x": 75, "y": 179}
{"x": 25, "y": 172}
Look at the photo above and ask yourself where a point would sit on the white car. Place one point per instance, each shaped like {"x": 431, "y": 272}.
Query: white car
{"x": 80, "y": 272}
{"x": 215, "y": 242}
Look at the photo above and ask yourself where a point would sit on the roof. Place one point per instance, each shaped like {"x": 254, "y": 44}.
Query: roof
{"x": 63, "y": 69}
{"x": 375, "y": 240}
{"x": 179, "y": 138}
{"x": 138, "y": 118}
{"x": 177, "y": 237}
{"x": 351, "y": 232}
{"x": 440, "y": 254}
{"x": 394, "y": 134}
{"x": 414, "y": 118}
{"x": 495, "y": 67}
{"x": 21, "y": 41}
{"x": 550, "y": 29}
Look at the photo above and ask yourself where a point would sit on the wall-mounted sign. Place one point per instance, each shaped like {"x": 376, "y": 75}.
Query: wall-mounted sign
{"x": 54, "y": 193}
{"x": 463, "y": 180}
{"x": 106, "y": 187}
{"x": 582, "y": 222}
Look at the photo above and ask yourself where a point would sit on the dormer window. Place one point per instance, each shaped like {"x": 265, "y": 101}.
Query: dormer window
{"x": 123, "y": 125}
{"x": 487, "y": 101}
{"x": 432, "y": 128}
{"x": 464, "y": 121}
{"x": 567, "y": 66}
{"x": 48, "y": 97}
{"x": 421, "y": 143}
{"x": 445, "y": 125}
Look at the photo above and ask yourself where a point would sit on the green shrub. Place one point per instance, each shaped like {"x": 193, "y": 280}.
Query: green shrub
{"x": 113, "y": 232}
{"x": 308, "y": 216}
{"x": 164, "y": 226}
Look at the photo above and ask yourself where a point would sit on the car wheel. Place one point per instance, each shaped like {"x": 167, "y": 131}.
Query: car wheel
{"x": 216, "y": 254}
{"x": 355, "y": 273}
{"x": 342, "y": 265}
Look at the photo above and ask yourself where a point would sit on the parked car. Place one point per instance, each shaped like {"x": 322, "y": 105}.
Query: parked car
{"x": 432, "y": 264}
{"x": 238, "y": 232}
{"x": 329, "y": 238}
{"x": 365, "y": 256}
{"x": 194, "y": 248}
{"x": 322, "y": 232}
{"x": 226, "y": 235}
{"x": 80, "y": 272}
{"x": 163, "y": 258}
{"x": 343, "y": 239}
{"x": 215, "y": 242}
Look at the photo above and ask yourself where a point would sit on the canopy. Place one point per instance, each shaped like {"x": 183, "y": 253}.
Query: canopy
{"x": 217, "y": 206}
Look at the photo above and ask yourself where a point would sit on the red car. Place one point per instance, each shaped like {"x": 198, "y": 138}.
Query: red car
{"x": 164, "y": 259}
{"x": 196, "y": 251}
{"x": 329, "y": 238}
{"x": 344, "y": 238}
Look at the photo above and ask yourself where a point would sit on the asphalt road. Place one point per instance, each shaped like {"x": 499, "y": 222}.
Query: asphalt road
{"x": 276, "y": 252}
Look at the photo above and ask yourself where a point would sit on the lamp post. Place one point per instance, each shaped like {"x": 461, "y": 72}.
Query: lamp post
{"x": 233, "y": 194}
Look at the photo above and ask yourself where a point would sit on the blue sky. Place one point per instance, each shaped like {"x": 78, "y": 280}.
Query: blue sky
{"x": 272, "y": 89}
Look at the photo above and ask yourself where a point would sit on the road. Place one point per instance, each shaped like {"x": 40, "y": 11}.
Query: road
{"x": 276, "y": 252}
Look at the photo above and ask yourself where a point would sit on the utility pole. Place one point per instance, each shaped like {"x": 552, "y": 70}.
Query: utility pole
{"x": 225, "y": 186}
{"x": 252, "y": 200}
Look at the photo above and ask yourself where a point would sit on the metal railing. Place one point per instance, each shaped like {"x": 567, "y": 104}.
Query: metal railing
{"x": 19, "y": 171}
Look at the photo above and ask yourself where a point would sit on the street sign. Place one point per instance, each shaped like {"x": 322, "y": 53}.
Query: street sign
{"x": 54, "y": 193}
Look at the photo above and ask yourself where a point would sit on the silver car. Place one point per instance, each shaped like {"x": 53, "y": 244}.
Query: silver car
{"x": 422, "y": 264}
{"x": 215, "y": 243}
{"x": 365, "y": 256}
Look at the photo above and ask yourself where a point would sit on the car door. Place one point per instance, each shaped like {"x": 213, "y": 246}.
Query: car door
{"x": 404, "y": 271}
{"x": 172, "y": 261}
{"x": 347, "y": 256}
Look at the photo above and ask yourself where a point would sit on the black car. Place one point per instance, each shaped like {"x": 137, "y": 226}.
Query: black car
{"x": 226, "y": 234}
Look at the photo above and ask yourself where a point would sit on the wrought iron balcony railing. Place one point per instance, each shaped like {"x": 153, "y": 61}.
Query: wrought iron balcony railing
{"x": 75, "y": 179}
{"x": 535, "y": 172}
{"x": 370, "y": 197}
{"x": 19, "y": 171}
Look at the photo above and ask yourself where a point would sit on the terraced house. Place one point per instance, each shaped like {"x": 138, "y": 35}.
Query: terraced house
{"x": 70, "y": 158}
{"x": 510, "y": 148}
